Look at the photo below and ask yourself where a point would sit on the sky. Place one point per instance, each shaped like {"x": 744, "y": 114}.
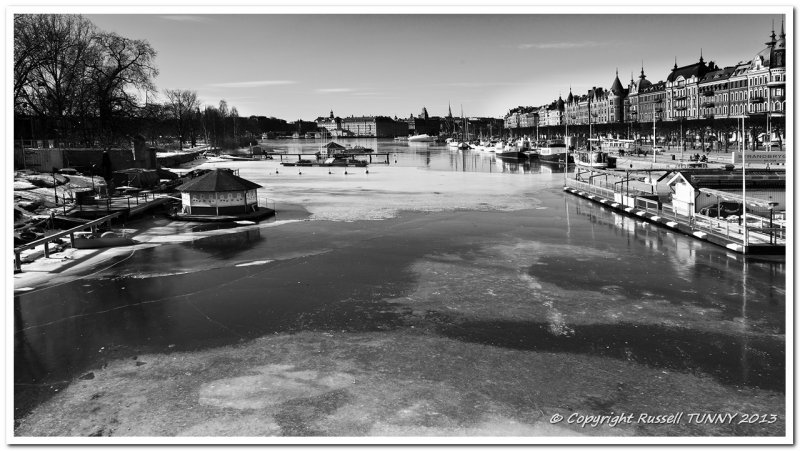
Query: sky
{"x": 295, "y": 66}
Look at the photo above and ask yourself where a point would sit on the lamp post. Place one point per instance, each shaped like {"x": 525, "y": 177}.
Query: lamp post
{"x": 654, "y": 132}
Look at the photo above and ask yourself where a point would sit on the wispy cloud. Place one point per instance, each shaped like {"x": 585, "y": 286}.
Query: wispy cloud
{"x": 481, "y": 84}
{"x": 327, "y": 90}
{"x": 252, "y": 84}
{"x": 563, "y": 45}
{"x": 182, "y": 18}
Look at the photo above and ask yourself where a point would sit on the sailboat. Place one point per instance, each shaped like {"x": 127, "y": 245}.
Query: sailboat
{"x": 593, "y": 156}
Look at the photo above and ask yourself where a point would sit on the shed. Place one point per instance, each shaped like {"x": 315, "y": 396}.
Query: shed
{"x": 694, "y": 190}
{"x": 332, "y": 148}
{"x": 218, "y": 192}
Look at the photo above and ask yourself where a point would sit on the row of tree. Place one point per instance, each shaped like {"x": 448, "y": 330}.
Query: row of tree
{"x": 84, "y": 87}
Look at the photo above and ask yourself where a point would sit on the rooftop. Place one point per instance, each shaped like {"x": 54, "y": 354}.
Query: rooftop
{"x": 218, "y": 180}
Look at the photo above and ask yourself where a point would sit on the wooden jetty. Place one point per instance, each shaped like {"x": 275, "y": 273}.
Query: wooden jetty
{"x": 129, "y": 206}
{"x": 91, "y": 225}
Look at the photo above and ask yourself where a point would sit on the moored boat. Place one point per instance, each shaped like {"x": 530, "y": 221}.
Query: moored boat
{"x": 593, "y": 156}
{"x": 108, "y": 239}
{"x": 421, "y": 138}
{"x": 554, "y": 151}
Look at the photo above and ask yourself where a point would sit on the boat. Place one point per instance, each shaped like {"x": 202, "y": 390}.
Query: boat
{"x": 344, "y": 161}
{"x": 421, "y": 138}
{"x": 360, "y": 149}
{"x": 593, "y": 156}
{"x": 554, "y": 151}
{"x": 107, "y": 239}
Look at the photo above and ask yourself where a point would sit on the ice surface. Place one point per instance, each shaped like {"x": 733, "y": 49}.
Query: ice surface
{"x": 386, "y": 190}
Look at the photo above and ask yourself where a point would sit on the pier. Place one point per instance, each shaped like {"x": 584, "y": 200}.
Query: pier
{"x": 129, "y": 206}
{"x": 91, "y": 225}
{"x": 346, "y": 155}
{"x": 745, "y": 234}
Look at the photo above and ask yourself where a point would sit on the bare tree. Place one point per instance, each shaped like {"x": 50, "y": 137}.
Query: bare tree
{"x": 121, "y": 69}
{"x": 182, "y": 104}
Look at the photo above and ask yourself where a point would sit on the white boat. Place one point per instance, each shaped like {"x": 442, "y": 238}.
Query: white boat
{"x": 421, "y": 138}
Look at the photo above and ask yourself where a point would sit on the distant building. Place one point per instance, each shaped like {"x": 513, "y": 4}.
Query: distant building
{"x": 374, "y": 126}
{"x": 329, "y": 123}
{"x": 423, "y": 124}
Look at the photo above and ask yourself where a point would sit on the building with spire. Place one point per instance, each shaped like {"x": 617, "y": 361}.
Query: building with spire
{"x": 634, "y": 88}
{"x": 777, "y": 77}
{"x": 682, "y": 90}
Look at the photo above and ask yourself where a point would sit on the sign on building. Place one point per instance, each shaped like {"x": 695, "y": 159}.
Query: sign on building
{"x": 759, "y": 157}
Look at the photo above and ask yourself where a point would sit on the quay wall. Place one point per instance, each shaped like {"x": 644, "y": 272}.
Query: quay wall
{"x": 177, "y": 159}
{"x": 45, "y": 160}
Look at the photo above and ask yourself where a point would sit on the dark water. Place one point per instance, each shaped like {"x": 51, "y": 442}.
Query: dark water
{"x": 588, "y": 281}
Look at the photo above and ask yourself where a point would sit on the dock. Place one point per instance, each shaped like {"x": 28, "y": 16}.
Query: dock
{"x": 128, "y": 206}
{"x": 755, "y": 235}
{"x": 383, "y": 157}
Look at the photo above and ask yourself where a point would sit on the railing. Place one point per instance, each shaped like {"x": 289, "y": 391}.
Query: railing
{"x": 732, "y": 227}
{"x": 648, "y": 205}
{"x": 266, "y": 203}
{"x": 46, "y": 240}
{"x": 588, "y": 187}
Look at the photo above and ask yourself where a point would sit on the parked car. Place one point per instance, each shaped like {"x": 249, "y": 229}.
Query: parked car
{"x": 723, "y": 210}
{"x": 658, "y": 150}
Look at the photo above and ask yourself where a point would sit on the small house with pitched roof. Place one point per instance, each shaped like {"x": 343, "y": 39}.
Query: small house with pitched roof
{"x": 218, "y": 193}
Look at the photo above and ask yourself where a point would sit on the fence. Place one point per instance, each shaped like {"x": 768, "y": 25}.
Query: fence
{"x": 266, "y": 203}
{"x": 589, "y": 188}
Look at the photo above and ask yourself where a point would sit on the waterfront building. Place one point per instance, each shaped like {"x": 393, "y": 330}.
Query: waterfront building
{"x": 218, "y": 192}
{"x": 329, "y": 123}
{"x": 615, "y": 99}
{"x": 651, "y": 102}
{"x": 553, "y": 114}
{"x": 715, "y": 94}
{"x": 374, "y": 126}
{"x": 757, "y": 77}
{"x": 681, "y": 89}
{"x": 570, "y": 109}
{"x": 737, "y": 90}
{"x": 766, "y": 83}
{"x": 777, "y": 77}
{"x": 634, "y": 88}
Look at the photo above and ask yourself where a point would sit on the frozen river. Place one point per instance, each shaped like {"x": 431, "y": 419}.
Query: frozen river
{"x": 444, "y": 294}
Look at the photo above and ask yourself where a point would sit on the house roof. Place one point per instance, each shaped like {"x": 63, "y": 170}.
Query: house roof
{"x": 333, "y": 145}
{"x": 697, "y": 69}
{"x": 720, "y": 74}
{"x": 731, "y": 180}
{"x": 218, "y": 180}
